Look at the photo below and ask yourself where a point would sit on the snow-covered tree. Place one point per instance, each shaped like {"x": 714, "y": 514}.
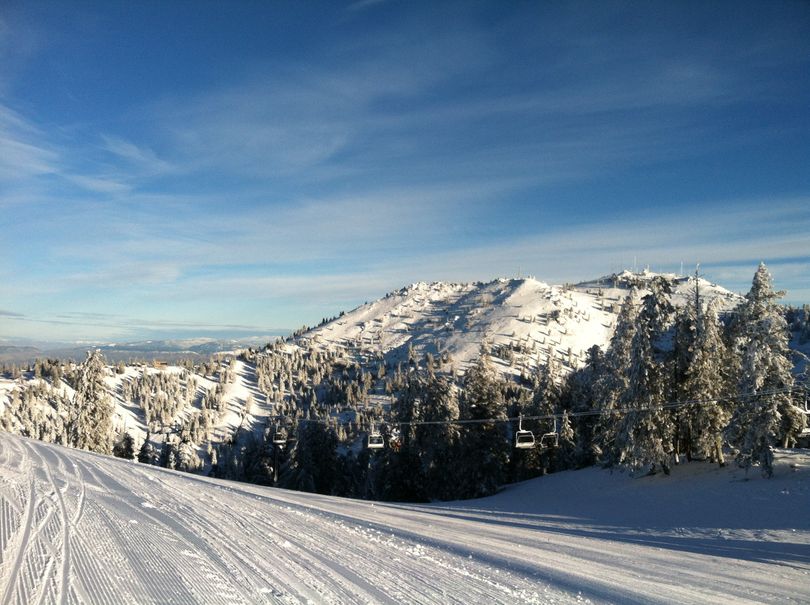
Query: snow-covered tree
{"x": 436, "y": 445}
{"x": 90, "y": 415}
{"x": 312, "y": 463}
{"x": 645, "y": 431}
{"x": 146, "y": 455}
{"x": 125, "y": 447}
{"x": 614, "y": 380}
{"x": 485, "y": 447}
{"x": 704, "y": 381}
{"x": 765, "y": 416}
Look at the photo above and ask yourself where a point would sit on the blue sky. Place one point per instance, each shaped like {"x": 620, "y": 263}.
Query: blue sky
{"x": 192, "y": 168}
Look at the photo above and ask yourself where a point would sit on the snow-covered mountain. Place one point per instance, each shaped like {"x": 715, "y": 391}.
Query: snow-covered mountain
{"x": 522, "y": 322}
{"x": 81, "y": 528}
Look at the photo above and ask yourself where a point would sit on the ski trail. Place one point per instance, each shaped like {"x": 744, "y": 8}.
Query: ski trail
{"x": 172, "y": 528}
{"x": 64, "y": 568}
{"x": 212, "y": 527}
{"x": 24, "y": 540}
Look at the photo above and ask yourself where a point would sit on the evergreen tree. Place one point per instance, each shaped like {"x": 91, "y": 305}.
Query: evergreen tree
{"x": 125, "y": 448}
{"x": 146, "y": 455}
{"x": 485, "y": 446}
{"x": 313, "y": 461}
{"x": 437, "y": 444}
{"x": 705, "y": 380}
{"x": 90, "y": 416}
{"x": 584, "y": 395}
{"x": 645, "y": 431}
{"x": 614, "y": 381}
{"x": 399, "y": 472}
{"x": 566, "y": 454}
{"x": 765, "y": 417}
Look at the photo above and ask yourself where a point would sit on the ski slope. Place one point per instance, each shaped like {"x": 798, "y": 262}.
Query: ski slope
{"x": 77, "y": 527}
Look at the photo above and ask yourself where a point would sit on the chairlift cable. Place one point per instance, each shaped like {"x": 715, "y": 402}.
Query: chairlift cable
{"x": 671, "y": 405}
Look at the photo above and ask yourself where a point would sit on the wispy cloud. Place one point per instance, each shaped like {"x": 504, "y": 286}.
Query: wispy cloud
{"x": 23, "y": 153}
{"x": 360, "y": 5}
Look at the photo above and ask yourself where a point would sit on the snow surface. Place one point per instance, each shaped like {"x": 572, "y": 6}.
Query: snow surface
{"x": 78, "y": 527}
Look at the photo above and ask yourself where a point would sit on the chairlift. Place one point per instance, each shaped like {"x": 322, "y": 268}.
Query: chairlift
{"x": 280, "y": 437}
{"x": 550, "y": 439}
{"x": 375, "y": 440}
{"x": 523, "y": 439}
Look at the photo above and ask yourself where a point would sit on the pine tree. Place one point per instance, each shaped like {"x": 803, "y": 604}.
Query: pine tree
{"x": 90, "y": 416}
{"x": 765, "y": 416}
{"x": 584, "y": 395}
{"x": 146, "y": 455}
{"x": 614, "y": 380}
{"x": 705, "y": 381}
{"x": 645, "y": 432}
{"x": 398, "y": 472}
{"x": 437, "y": 444}
{"x": 485, "y": 447}
{"x": 312, "y": 463}
{"x": 125, "y": 448}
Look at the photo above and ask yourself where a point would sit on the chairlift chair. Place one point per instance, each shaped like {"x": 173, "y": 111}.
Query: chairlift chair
{"x": 280, "y": 437}
{"x": 551, "y": 439}
{"x": 375, "y": 441}
{"x": 523, "y": 439}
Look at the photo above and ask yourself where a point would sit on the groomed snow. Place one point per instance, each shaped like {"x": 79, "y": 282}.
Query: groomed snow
{"x": 77, "y": 527}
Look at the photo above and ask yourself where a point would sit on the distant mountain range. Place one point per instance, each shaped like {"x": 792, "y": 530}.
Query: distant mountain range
{"x": 165, "y": 350}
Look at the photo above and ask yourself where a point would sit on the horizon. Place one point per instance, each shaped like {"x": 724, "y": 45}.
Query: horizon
{"x": 266, "y": 166}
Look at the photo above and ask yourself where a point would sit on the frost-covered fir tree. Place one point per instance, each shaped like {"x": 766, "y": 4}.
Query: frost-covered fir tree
{"x": 804, "y": 329}
{"x": 146, "y": 455}
{"x": 614, "y": 380}
{"x": 90, "y": 415}
{"x": 765, "y": 416}
{"x": 566, "y": 454}
{"x": 312, "y": 463}
{"x": 704, "y": 382}
{"x": 545, "y": 402}
{"x": 125, "y": 447}
{"x": 584, "y": 396}
{"x": 484, "y": 448}
{"x": 645, "y": 431}
{"x": 398, "y": 472}
{"x": 437, "y": 444}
